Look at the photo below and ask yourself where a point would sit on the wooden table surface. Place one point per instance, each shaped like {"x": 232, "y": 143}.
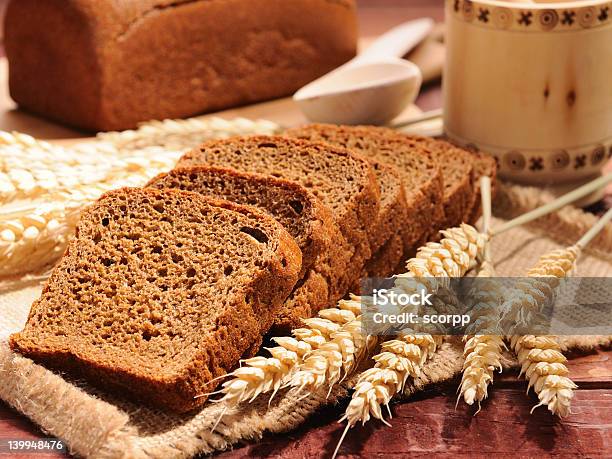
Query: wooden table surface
{"x": 428, "y": 424}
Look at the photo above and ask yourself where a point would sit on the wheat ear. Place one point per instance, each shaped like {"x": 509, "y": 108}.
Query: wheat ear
{"x": 530, "y": 295}
{"x": 404, "y": 356}
{"x": 539, "y": 356}
{"x": 334, "y": 360}
{"x": 33, "y": 236}
{"x": 483, "y": 342}
{"x": 543, "y": 365}
{"x": 259, "y": 375}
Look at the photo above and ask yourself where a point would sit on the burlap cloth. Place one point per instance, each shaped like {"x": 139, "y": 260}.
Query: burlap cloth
{"x": 95, "y": 424}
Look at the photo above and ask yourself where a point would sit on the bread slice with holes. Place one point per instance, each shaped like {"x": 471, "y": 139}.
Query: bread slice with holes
{"x": 160, "y": 292}
{"x": 297, "y": 209}
{"x": 304, "y": 217}
{"x": 419, "y": 171}
{"x": 343, "y": 181}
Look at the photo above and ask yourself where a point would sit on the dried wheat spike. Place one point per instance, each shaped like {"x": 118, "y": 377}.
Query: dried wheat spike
{"x": 544, "y": 367}
{"x": 539, "y": 356}
{"x": 259, "y": 375}
{"x": 37, "y": 171}
{"x": 403, "y": 357}
{"x": 530, "y": 295}
{"x": 335, "y": 359}
{"x": 35, "y": 236}
{"x": 453, "y": 256}
{"x": 30, "y": 168}
{"x": 398, "y": 360}
{"x": 181, "y": 135}
{"x": 484, "y": 344}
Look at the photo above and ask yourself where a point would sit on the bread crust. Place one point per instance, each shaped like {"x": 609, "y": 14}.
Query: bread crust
{"x": 248, "y": 313}
{"x": 107, "y": 65}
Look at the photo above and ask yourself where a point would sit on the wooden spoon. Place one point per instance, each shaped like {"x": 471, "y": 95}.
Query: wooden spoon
{"x": 374, "y": 87}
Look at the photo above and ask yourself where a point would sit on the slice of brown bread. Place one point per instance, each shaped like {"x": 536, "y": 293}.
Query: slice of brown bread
{"x": 419, "y": 172}
{"x": 304, "y": 217}
{"x": 343, "y": 181}
{"x": 297, "y": 209}
{"x": 393, "y": 206}
{"x": 160, "y": 292}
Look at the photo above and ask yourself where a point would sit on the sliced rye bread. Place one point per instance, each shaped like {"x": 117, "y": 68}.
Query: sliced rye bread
{"x": 457, "y": 171}
{"x": 304, "y": 217}
{"x": 297, "y": 209}
{"x": 419, "y": 172}
{"x": 393, "y": 206}
{"x": 159, "y": 293}
{"x": 343, "y": 181}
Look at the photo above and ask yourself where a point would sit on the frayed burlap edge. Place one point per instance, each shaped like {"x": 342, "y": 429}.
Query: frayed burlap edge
{"x": 95, "y": 428}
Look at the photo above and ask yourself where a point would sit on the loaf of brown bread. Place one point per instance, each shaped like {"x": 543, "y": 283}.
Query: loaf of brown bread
{"x": 343, "y": 181}
{"x": 160, "y": 292}
{"x": 298, "y": 210}
{"x": 420, "y": 173}
{"x": 108, "y": 64}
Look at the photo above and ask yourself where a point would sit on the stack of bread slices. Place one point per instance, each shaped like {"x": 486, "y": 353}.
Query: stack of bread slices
{"x": 165, "y": 288}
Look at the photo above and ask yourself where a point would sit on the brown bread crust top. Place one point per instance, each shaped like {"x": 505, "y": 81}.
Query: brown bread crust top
{"x": 109, "y": 64}
{"x": 418, "y": 168}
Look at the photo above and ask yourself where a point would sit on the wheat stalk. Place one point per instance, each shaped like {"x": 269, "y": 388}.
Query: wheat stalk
{"x": 530, "y": 295}
{"x": 35, "y": 170}
{"x": 34, "y": 236}
{"x": 544, "y": 367}
{"x": 483, "y": 343}
{"x": 398, "y": 360}
{"x": 539, "y": 356}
